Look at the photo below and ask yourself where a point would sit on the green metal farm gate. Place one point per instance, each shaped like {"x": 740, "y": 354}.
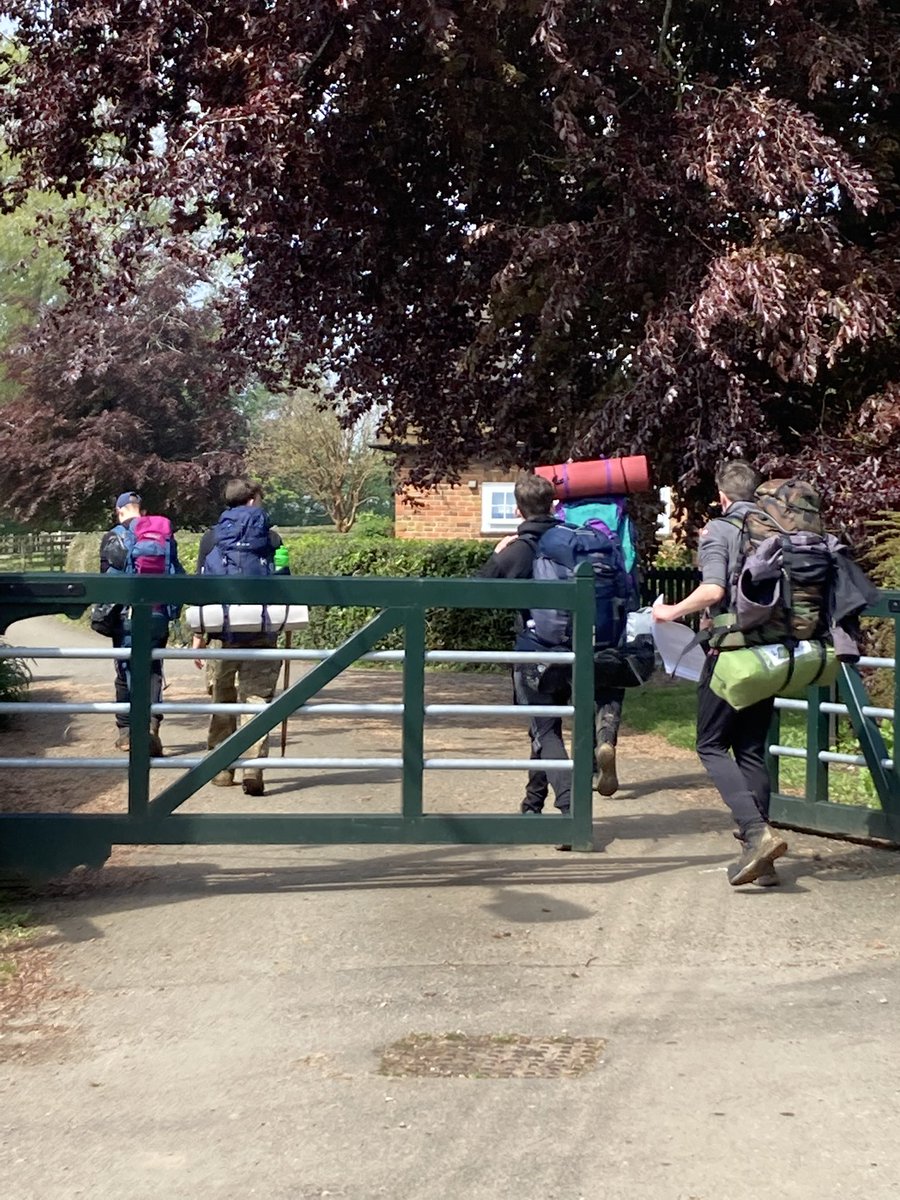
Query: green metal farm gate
{"x": 51, "y": 843}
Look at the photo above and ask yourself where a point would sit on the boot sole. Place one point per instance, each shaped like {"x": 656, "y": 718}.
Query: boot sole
{"x": 606, "y": 781}
{"x": 761, "y": 865}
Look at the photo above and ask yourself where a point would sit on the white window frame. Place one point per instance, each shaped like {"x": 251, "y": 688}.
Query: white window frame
{"x": 489, "y": 523}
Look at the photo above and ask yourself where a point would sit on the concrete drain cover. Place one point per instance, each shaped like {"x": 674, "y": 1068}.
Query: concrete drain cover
{"x": 491, "y": 1056}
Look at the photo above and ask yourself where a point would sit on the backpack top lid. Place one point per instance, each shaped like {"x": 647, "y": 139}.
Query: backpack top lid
{"x": 793, "y": 503}
{"x": 243, "y": 545}
{"x": 148, "y": 541}
{"x": 608, "y": 514}
{"x": 154, "y": 529}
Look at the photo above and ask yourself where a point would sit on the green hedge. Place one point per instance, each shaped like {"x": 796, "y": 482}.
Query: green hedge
{"x": 445, "y": 629}
{"x": 357, "y": 555}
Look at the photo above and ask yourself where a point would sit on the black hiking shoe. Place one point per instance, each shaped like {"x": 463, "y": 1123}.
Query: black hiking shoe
{"x": 761, "y": 847}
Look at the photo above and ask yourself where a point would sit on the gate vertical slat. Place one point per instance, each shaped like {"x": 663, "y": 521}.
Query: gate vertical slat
{"x": 583, "y": 700}
{"x": 140, "y": 671}
{"x": 817, "y": 729}
{"x": 413, "y": 714}
{"x": 772, "y": 761}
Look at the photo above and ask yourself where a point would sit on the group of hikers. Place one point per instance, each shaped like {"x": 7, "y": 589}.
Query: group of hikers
{"x": 778, "y": 601}
{"x": 242, "y": 543}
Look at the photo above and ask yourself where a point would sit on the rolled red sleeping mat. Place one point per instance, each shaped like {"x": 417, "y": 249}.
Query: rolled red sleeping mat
{"x": 598, "y": 477}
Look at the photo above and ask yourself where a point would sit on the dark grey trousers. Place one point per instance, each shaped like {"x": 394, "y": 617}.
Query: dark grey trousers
{"x": 732, "y": 748}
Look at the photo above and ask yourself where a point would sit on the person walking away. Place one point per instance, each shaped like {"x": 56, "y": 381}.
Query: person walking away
{"x": 732, "y": 745}
{"x": 544, "y": 547}
{"x": 609, "y": 514}
{"x": 136, "y": 544}
{"x": 535, "y": 683}
{"x": 241, "y": 544}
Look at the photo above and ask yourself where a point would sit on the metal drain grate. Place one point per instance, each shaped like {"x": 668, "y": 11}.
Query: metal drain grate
{"x": 491, "y": 1056}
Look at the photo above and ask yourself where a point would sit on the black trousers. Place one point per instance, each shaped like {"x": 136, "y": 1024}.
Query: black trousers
{"x": 732, "y": 748}
{"x": 607, "y": 719}
{"x": 535, "y": 683}
{"x": 123, "y": 677}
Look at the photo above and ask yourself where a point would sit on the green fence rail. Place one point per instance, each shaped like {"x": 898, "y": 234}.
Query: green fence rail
{"x": 42, "y": 844}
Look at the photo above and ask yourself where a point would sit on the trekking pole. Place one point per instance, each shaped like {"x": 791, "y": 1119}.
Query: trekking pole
{"x": 287, "y": 684}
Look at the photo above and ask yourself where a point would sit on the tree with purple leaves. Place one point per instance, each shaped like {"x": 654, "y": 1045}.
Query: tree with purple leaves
{"x": 535, "y": 227}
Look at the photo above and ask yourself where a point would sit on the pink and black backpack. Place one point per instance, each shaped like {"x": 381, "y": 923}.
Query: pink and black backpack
{"x": 150, "y": 550}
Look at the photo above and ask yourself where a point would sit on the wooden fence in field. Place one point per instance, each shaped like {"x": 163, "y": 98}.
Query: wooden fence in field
{"x": 34, "y": 551}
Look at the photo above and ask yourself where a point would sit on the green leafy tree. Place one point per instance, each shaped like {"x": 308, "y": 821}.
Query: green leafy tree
{"x": 307, "y": 448}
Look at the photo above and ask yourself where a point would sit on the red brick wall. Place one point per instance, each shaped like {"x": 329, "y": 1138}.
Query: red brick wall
{"x": 448, "y": 512}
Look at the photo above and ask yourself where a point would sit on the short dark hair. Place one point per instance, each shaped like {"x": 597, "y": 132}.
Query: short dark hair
{"x": 738, "y": 480}
{"x": 242, "y": 491}
{"x": 534, "y": 495}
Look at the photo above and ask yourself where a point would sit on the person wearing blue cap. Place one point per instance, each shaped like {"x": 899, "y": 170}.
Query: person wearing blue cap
{"x": 116, "y": 553}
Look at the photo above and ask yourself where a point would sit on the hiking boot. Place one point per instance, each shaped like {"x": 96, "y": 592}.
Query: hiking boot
{"x": 254, "y": 786}
{"x": 156, "y": 746}
{"x": 123, "y": 741}
{"x": 771, "y": 878}
{"x": 761, "y": 847}
{"x": 223, "y": 779}
{"x": 606, "y": 782}
{"x": 525, "y": 807}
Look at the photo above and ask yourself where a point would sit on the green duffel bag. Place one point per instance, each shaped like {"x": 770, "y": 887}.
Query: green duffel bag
{"x": 743, "y": 677}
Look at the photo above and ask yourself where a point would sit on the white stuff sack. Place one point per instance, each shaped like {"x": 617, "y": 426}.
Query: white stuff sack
{"x": 246, "y": 618}
{"x": 639, "y": 624}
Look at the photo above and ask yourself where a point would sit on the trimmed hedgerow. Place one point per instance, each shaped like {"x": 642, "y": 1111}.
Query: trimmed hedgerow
{"x": 445, "y": 628}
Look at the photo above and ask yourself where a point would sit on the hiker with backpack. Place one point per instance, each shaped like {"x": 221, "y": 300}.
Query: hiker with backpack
{"x": 241, "y": 544}
{"x": 783, "y": 600}
{"x": 546, "y": 548}
{"x": 138, "y": 544}
{"x": 608, "y": 514}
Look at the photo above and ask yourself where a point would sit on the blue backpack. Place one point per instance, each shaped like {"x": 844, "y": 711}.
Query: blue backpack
{"x": 609, "y": 514}
{"x": 243, "y": 543}
{"x": 557, "y": 555}
{"x": 150, "y": 550}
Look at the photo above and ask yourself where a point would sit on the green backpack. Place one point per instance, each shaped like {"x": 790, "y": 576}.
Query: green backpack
{"x": 782, "y": 586}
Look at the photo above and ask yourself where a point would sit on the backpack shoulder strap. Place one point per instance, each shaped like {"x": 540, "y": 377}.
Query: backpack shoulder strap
{"x": 735, "y": 521}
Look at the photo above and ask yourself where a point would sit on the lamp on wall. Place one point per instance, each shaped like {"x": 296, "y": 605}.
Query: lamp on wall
{"x": 473, "y": 484}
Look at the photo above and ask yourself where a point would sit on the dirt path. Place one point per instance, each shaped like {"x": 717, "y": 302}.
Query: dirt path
{"x": 214, "y": 1022}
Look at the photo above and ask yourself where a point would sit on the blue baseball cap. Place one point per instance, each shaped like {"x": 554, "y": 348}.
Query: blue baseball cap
{"x": 127, "y": 498}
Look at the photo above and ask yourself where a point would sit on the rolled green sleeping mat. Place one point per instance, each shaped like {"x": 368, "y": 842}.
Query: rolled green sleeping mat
{"x": 744, "y": 677}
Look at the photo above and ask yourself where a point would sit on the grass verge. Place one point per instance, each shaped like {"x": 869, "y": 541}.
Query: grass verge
{"x": 669, "y": 710}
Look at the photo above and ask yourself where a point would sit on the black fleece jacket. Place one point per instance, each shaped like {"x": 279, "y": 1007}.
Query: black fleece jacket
{"x": 515, "y": 560}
